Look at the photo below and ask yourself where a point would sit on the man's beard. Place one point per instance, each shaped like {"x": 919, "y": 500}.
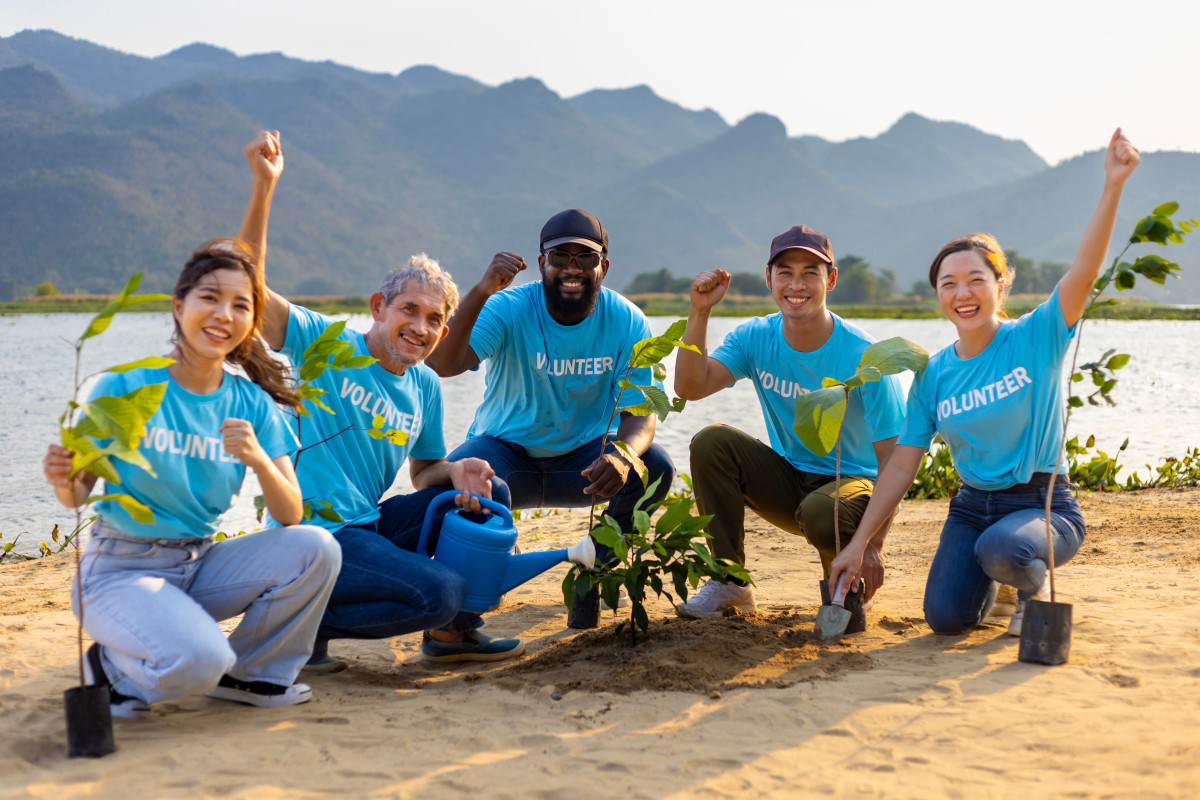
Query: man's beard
{"x": 570, "y": 311}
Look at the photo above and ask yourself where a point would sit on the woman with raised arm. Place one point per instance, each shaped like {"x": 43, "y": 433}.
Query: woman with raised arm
{"x": 152, "y": 594}
{"x": 996, "y": 398}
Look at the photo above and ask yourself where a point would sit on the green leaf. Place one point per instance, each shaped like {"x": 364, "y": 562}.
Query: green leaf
{"x": 658, "y": 399}
{"x": 651, "y": 351}
{"x": 328, "y": 514}
{"x": 606, "y": 536}
{"x": 639, "y": 616}
{"x": 892, "y": 356}
{"x": 568, "y": 589}
{"x": 641, "y": 521}
{"x": 329, "y": 334}
{"x": 819, "y": 417}
{"x": 1117, "y": 362}
{"x": 1166, "y": 209}
{"x": 675, "y": 514}
{"x": 635, "y": 462}
{"x": 117, "y": 418}
{"x": 150, "y": 362}
{"x": 659, "y": 372}
{"x": 101, "y": 321}
{"x": 863, "y": 375}
{"x": 134, "y": 457}
{"x": 679, "y": 577}
{"x": 134, "y": 508}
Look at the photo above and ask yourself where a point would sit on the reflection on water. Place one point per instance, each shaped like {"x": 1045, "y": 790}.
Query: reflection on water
{"x": 1157, "y": 411}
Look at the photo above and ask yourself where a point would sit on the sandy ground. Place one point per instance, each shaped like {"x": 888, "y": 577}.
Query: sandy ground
{"x": 734, "y": 707}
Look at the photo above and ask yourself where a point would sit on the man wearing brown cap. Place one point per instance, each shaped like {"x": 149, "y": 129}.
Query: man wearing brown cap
{"x": 785, "y": 355}
{"x": 555, "y": 350}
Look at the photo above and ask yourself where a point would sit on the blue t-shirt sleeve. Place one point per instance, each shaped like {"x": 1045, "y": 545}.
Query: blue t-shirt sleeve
{"x": 430, "y": 444}
{"x": 883, "y": 402}
{"x": 272, "y": 431}
{"x": 919, "y": 423}
{"x": 304, "y": 326}
{"x": 732, "y": 353}
{"x": 489, "y": 330}
{"x": 1046, "y": 324}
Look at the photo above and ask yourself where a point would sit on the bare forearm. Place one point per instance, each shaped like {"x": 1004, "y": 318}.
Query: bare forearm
{"x": 253, "y": 232}
{"x": 430, "y": 473}
{"x": 1076, "y": 285}
{"x": 691, "y": 369}
{"x": 281, "y": 493}
{"x": 75, "y": 496}
{"x": 453, "y": 355}
{"x": 637, "y": 432}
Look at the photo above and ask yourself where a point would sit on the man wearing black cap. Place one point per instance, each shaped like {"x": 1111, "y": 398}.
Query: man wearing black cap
{"x": 555, "y": 351}
{"x": 785, "y": 355}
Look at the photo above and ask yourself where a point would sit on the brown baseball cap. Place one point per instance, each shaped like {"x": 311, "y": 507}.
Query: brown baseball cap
{"x": 801, "y": 237}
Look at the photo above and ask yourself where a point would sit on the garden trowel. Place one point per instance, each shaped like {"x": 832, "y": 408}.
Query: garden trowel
{"x": 833, "y": 618}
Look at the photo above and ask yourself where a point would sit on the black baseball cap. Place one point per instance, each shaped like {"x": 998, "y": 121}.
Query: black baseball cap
{"x": 801, "y": 237}
{"x": 574, "y": 225}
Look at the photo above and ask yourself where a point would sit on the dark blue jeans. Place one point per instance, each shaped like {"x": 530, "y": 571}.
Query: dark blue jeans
{"x": 386, "y": 588}
{"x": 555, "y": 481}
{"x": 996, "y": 537}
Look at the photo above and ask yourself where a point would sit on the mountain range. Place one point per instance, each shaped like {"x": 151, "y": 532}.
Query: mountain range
{"x": 115, "y": 163}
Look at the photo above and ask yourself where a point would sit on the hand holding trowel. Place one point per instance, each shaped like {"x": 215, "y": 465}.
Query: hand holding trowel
{"x": 833, "y": 618}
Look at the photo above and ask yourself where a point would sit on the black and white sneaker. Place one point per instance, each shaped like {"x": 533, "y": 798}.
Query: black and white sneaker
{"x": 121, "y": 705}
{"x": 261, "y": 693}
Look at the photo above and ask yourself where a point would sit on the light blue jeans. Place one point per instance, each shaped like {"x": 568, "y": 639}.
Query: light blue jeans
{"x": 996, "y": 537}
{"x": 154, "y": 604}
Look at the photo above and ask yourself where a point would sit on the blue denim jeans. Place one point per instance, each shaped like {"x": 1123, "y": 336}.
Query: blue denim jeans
{"x": 996, "y": 537}
{"x": 556, "y": 482}
{"x": 386, "y": 588}
{"x": 153, "y": 605}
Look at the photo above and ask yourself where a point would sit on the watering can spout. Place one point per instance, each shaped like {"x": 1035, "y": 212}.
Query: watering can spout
{"x": 524, "y": 566}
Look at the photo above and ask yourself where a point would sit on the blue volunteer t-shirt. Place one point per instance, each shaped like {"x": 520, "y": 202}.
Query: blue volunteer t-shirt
{"x": 197, "y": 480}
{"x": 550, "y": 388}
{"x": 757, "y": 350}
{"x": 348, "y": 468}
{"x": 1001, "y": 412}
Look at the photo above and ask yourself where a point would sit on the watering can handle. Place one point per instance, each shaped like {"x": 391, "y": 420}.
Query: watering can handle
{"x": 443, "y": 503}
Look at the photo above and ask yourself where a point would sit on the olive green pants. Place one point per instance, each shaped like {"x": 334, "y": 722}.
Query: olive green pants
{"x": 732, "y": 471}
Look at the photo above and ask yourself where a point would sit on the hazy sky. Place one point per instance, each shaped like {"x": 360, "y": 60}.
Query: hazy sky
{"x": 1059, "y": 75}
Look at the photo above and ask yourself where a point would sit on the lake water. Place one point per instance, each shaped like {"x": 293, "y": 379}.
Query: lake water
{"x": 1159, "y": 407}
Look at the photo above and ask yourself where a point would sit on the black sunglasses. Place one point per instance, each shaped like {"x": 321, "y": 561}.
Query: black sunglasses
{"x": 561, "y": 258}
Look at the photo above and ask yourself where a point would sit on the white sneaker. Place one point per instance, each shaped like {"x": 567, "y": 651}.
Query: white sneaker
{"x": 1018, "y": 616}
{"x": 622, "y": 599}
{"x": 1006, "y": 602}
{"x": 261, "y": 693}
{"x": 715, "y": 598}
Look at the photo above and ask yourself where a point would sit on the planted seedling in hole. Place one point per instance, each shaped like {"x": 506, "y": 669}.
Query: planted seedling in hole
{"x": 673, "y": 548}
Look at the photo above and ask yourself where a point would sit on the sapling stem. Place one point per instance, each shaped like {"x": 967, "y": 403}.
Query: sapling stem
{"x": 1096, "y": 292}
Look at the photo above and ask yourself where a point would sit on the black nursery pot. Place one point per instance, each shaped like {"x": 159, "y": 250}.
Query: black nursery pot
{"x": 89, "y": 722}
{"x": 853, "y": 603}
{"x": 1045, "y": 633}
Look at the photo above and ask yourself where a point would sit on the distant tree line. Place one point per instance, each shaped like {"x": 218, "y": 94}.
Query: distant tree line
{"x": 857, "y": 283}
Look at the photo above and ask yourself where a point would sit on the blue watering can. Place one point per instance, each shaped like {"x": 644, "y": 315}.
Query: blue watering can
{"x": 480, "y": 549}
